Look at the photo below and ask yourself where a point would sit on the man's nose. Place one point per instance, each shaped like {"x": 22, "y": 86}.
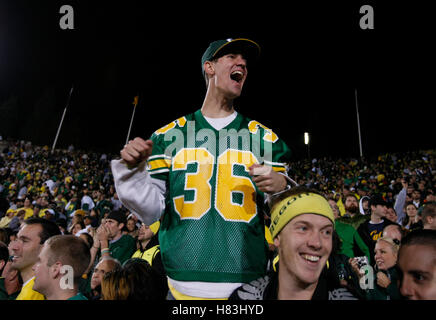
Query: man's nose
{"x": 406, "y": 288}
{"x": 314, "y": 240}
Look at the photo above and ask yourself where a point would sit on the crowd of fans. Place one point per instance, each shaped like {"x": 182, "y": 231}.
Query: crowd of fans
{"x": 377, "y": 202}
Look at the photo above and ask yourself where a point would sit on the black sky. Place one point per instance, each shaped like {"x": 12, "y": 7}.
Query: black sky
{"x": 313, "y": 58}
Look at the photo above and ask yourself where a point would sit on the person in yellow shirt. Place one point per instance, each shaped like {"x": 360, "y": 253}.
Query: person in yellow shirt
{"x": 28, "y": 208}
{"x": 148, "y": 242}
{"x": 4, "y": 222}
{"x": 25, "y": 251}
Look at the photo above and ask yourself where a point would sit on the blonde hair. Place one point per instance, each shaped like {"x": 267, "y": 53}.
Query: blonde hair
{"x": 114, "y": 286}
{"x": 395, "y": 246}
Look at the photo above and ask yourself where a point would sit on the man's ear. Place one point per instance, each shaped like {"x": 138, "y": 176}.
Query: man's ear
{"x": 277, "y": 241}
{"x": 121, "y": 226}
{"x": 2, "y": 264}
{"x": 209, "y": 68}
{"x": 55, "y": 270}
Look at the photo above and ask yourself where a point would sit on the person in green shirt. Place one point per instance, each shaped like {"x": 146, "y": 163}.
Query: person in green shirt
{"x": 60, "y": 265}
{"x": 111, "y": 241}
{"x": 352, "y": 244}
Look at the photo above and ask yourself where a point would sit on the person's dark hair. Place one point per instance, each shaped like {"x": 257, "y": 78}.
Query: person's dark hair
{"x": 49, "y": 228}
{"x": 425, "y": 237}
{"x": 4, "y": 254}
{"x": 89, "y": 239}
{"x": 81, "y": 223}
{"x": 406, "y": 219}
{"x": 144, "y": 281}
{"x": 4, "y": 236}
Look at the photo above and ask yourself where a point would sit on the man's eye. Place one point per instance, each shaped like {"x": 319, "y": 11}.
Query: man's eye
{"x": 418, "y": 277}
{"x": 327, "y": 232}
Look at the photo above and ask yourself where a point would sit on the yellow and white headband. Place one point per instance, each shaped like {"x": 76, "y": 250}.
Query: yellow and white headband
{"x": 296, "y": 205}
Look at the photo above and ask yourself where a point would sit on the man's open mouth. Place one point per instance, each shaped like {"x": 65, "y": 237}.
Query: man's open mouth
{"x": 237, "y": 76}
{"x": 311, "y": 258}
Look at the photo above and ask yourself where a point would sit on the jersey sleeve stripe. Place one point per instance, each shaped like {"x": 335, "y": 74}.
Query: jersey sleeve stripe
{"x": 279, "y": 169}
{"x": 158, "y": 164}
{"x": 158, "y": 171}
{"x": 159, "y": 156}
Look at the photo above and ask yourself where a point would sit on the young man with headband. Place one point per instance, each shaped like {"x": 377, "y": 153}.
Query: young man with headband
{"x": 302, "y": 226}
{"x": 207, "y": 175}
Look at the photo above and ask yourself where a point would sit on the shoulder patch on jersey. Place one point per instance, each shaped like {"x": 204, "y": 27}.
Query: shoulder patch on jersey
{"x": 254, "y": 290}
{"x": 180, "y": 122}
{"x": 269, "y": 135}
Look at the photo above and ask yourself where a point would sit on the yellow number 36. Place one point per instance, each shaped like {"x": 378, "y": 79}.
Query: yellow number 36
{"x": 225, "y": 185}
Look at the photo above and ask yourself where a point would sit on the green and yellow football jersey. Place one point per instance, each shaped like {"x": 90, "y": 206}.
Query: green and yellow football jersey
{"x": 213, "y": 226}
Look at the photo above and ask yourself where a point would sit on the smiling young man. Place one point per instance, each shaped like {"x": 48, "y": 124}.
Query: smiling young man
{"x": 202, "y": 173}
{"x": 25, "y": 251}
{"x": 302, "y": 225}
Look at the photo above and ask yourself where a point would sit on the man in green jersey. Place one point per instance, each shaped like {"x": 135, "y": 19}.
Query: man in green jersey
{"x": 207, "y": 175}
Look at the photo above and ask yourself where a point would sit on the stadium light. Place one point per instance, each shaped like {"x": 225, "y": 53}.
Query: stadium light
{"x": 306, "y": 142}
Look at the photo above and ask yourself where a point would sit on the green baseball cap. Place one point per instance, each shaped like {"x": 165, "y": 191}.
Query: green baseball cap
{"x": 216, "y": 49}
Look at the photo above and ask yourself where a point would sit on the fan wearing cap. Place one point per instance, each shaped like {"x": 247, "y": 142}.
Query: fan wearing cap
{"x": 302, "y": 225}
{"x": 211, "y": 189}
{"x": 110, "y": 239}
{"x": 372, "y": 229}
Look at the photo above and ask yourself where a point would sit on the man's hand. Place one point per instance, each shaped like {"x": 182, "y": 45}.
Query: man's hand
{"x": 404, "y": 183}
{"x": 102, "y": 233}
{"x": 136, "y": 151}
{"x": 266, "y": 179}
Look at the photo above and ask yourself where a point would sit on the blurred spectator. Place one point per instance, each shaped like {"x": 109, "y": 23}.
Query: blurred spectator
{"x": 4, "y": 236}
{"x": 135, "y": 281}
{"x": 62, "y": 224}
{"x": 411, "y": 215}
{"x": 17, "y": 221}
{"x": 131, "y": 227}
{"x": 352, "y": 214}
{"x": 391, "y": 214}
{"x": 77, "y": 227}
{"x": 87, "y": 203}
{"x": 351, "y": 243}
{"x": 4, "y": 258}
{"x": 7, "y": 276}
{"x": 106, "y": 264}
{"x": 428, "y": 216}
{"x": 4, "y": 222}
{"x": 371, "y": 230}
{"x": 393, "y": 231}
{"x": 27, "y": 207}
